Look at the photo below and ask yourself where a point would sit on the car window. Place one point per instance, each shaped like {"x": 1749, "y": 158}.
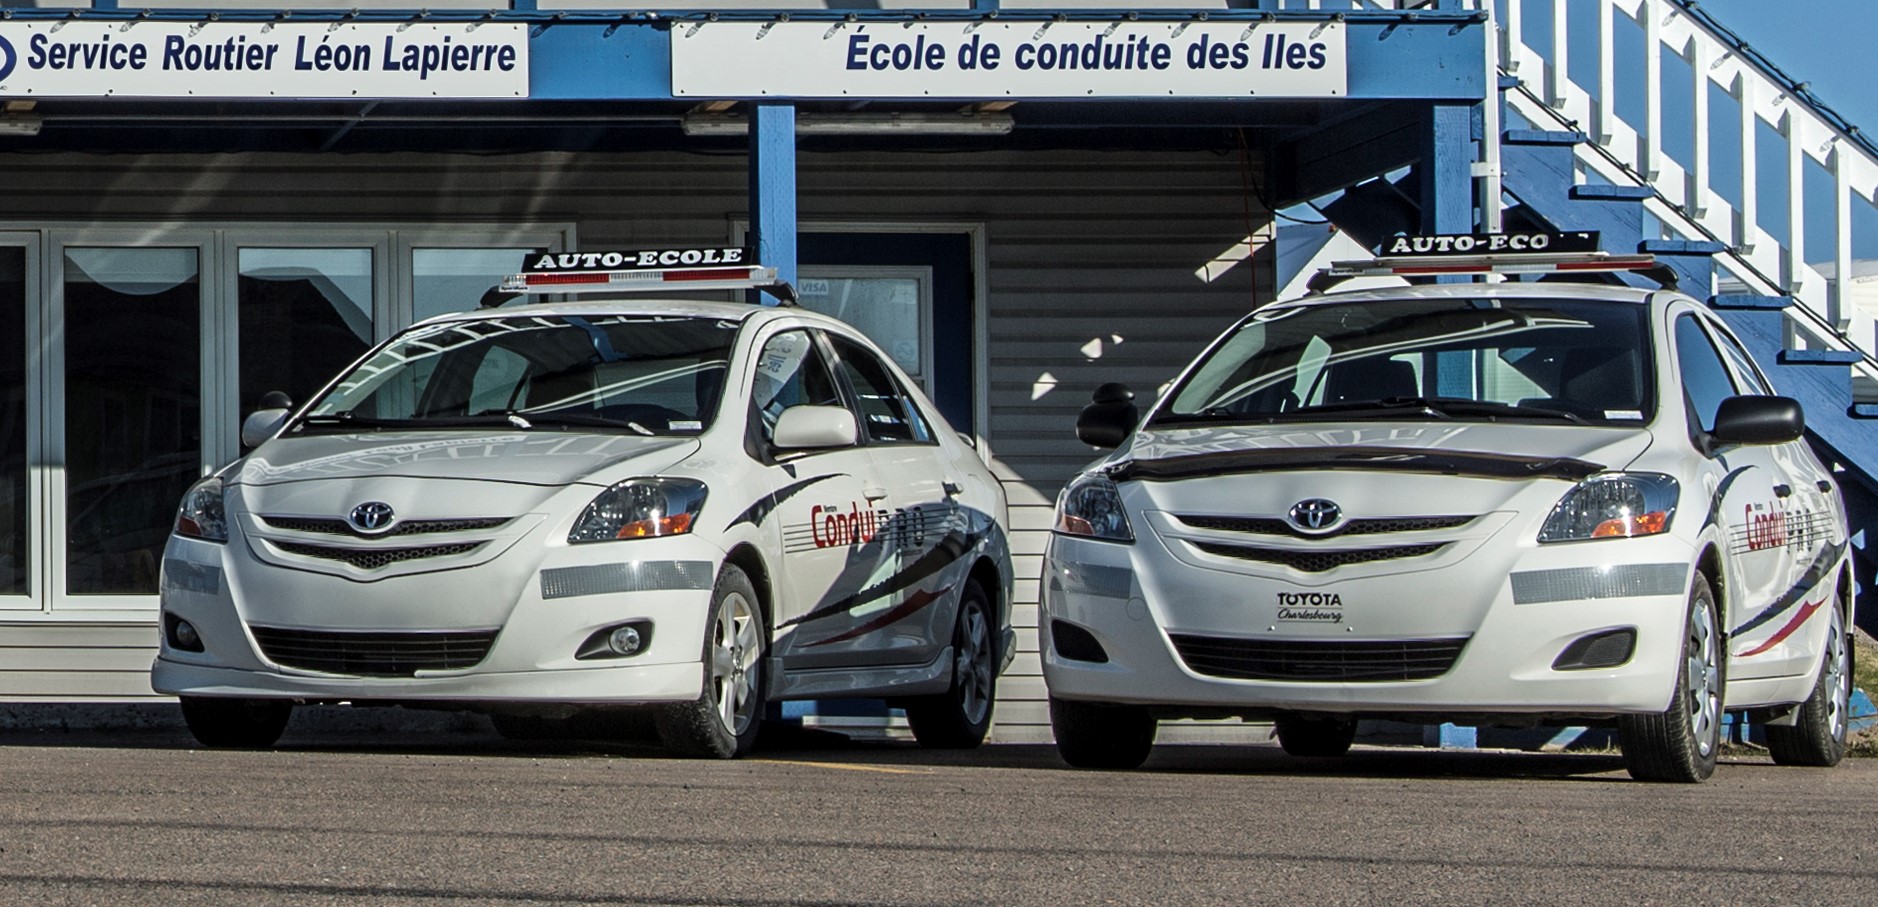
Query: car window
{"x": 887, "y": 414}
{"x": 1746, "y": 374}
{"x": 1705, "y": 380}
{"x": 643, "y": 374}
{"x": 1540, "y": 358}
{"x": 790, "y": 371}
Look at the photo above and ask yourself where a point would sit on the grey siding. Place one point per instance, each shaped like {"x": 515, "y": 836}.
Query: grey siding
{"x": 1092, "y": 276}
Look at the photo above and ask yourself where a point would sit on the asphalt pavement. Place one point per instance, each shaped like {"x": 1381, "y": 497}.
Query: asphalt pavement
{"x": 457, "y": 817}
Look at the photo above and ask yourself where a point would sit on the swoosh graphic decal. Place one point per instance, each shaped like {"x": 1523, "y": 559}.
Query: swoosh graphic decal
{"x": 1815, "y": 574}
{"x": 915, "y": 602}
{"x": 955, "y": 545}
{"x": 756, "y": 513}
{"x": 1721, "y": 490}
{"x": 1806, "y": 611}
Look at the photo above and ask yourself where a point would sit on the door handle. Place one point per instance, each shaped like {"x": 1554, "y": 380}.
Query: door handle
{"x": 1782, "y": 491}
{"x": 952, "y": 488}
{"x": 873, "y": 492}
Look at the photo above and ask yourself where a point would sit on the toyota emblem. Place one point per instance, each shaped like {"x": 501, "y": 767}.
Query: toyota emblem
{"x": 373, "y": 516}
{"x": 1315, "y": 515}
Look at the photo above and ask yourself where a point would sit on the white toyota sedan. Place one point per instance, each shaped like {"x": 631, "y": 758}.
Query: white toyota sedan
{"x": 1490, "y": 504}
{"x": 696, "y": 507}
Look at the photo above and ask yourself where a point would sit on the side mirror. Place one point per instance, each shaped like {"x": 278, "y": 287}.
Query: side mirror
{"x": 1758, "y": 420}
{"x": 814, "y": 428}
{"x": 1110, "y": 418}
{"x": 266, "y": 420}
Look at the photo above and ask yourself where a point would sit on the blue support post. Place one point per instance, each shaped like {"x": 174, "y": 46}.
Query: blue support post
{"x": 773, "y": 189}
{"x": 1447, "y": 190}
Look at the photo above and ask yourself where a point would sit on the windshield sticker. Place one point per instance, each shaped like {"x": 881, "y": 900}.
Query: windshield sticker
{"x": 1634, "y": 415}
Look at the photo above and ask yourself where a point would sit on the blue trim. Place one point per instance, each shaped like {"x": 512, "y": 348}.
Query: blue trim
{"x": 1447, "y": 174}
{"x": 1609, "y": 193}
{"x": 773, "y": 188}
{"x": 1820, "y": 357}
{"x": 1749, "y": 301}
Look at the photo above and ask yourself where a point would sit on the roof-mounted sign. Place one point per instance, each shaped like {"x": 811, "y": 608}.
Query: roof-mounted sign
{"x": 160, "y": 59}
{"x": 1437, "y": 255}
{"x": 1011, "y": 59}
{"x": 646, "y": 270}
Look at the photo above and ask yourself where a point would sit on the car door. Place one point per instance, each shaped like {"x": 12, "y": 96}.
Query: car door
{"x": 908, "y": 617}
{"x": 1748, "y": 503}
{"x": 821, "y": 503}
{"x": 1805, "y": 526}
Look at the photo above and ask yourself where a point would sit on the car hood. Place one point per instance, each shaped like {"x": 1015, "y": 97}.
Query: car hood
{"x": 1487, "y": 450}
{"x": 535, "y": 458}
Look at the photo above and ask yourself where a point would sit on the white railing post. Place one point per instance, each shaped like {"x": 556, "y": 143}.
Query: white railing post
{"x": 1839, "y": 304}
{"x": 1796, "y": 198}
{"x": 1697, "y": 192}
{"x": 1607, "y": 74}
{"x": 1514, "y": 39}
{"x": 1749, "y": 220}
{"x": 1558, "y": 69}
{"x": 1652, "y": 151}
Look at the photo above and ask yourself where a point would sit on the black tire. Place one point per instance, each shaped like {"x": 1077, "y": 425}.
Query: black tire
{"x": 1680, "y": 745}
{"x": 1315, "y": 737}
{"x": 722, "y": 723}
{"x": 226, "y": 723}
{"x": 1817, "y": 735}
{"x": 1093, "y": 735}
{"x": 959, "y": 718}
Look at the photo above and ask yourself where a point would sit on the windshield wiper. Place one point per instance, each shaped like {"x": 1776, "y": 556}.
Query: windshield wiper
{"x": 1441, "y": 407}
{"x": 353, "y": 420}
{"x": 529, "y": 420}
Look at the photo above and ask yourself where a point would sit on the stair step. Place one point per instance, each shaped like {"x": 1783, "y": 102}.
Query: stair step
{"x": 1613, "y": 193}
{"x": 1543, "y": 137}
{"x": 1508, "y": 83}
{"x": 1681, "y": 247}
{"x": 1863, "y": 411}
{"x": 1820, "y": 357}
{"x": 1749, "y": 301}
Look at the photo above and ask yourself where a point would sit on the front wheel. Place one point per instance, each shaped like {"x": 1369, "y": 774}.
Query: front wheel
{"x": 1817, "y": 736}
{"x": 226, "y": 723}
{"x": 722, "y": 722}
{"x": 1315, "y": 737}
{"x": 1094, "y": 735}
{"x": 959, "y": 718}
{"x": 1681, "y": 743}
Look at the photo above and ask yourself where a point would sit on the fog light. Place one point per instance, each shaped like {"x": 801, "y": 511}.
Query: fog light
{"x": 620, "y": 641}
{"x": 181, "y": 634}
{"x": 623, "y": 641}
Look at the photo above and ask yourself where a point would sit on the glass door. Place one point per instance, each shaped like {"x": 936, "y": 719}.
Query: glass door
{"x": 21, "y": 542}
{"x": 127, "y": 414}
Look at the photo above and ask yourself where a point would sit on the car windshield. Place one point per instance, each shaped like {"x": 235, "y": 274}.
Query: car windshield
{"x": 1550, "y": 360}
{"x": 638, "y": 374}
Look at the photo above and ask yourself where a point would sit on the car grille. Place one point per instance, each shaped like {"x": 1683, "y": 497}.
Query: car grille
{"x": 1275, "y": 526}
{"x": 374, "y": 653}
{"x": 374, "y": 558}
{"x": 408, "y": 527}
{"x": 1248, "y": 659}
{"x": 1316, "y": 561}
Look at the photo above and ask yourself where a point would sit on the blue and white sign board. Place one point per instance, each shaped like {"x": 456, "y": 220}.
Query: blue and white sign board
{"x": 991, "y": 59}
{"x": 263, "y": 60}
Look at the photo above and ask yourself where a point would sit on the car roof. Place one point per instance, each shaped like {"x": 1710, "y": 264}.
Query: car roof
{"x": 1510, "y": 290}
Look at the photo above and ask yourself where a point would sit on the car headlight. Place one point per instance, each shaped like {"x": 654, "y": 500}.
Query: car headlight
{"x": 640, "y": 509}
{"x": 203, "y": 515}
{"x": 1091, "y": 507}
{"x": 1619, "y": 505}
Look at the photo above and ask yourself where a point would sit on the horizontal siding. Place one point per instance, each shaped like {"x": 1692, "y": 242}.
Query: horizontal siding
{"x": 1082, "y": 246}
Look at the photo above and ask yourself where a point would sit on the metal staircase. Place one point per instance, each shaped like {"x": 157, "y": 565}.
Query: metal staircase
{"x": 1575, "y": 164}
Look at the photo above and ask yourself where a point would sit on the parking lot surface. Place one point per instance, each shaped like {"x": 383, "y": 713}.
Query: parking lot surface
{"x": 145, "y": 817}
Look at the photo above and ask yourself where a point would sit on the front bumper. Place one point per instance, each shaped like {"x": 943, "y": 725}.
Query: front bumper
{"x": 540, "y": 604}
{"x": 1133, "y": 599}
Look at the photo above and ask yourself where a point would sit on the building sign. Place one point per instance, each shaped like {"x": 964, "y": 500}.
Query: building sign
{"x": 998, "y": 59}
{"x": 263, "y": 60}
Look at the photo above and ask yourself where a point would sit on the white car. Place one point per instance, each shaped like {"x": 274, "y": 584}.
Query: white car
{"x": 1490, "y": 504}
{"x": 698, "y": 507}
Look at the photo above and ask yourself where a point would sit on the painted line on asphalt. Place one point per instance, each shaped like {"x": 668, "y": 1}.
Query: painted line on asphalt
{"x": 849, "y": 767}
